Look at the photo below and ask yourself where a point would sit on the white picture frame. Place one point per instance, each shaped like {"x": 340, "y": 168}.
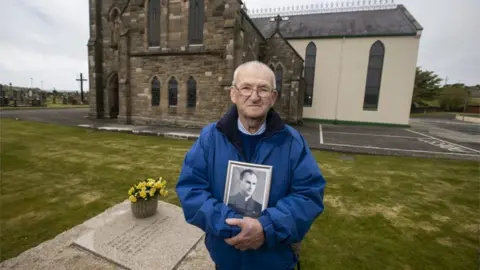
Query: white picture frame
{"x": 247, "y": 186}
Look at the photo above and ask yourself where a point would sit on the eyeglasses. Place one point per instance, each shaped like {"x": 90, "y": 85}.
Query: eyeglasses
{"x": 247, "y": 91}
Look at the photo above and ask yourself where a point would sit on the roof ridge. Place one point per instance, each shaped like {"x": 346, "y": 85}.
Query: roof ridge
{"x": 410, "y": 17}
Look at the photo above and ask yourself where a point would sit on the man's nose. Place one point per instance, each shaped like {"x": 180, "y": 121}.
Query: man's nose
{"x": 254, "y": 95}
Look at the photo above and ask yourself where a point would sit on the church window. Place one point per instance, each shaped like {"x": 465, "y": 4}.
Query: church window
{"x": 374, "y": 76}
{"x": 153, "y": 23}
{"x": 196, "y": 20}
{"x": 115, "y": 26}
{"x": 191, "y": 93}
{"x": 279, "y": 79}
{"x": 172, "y": 92}
{"x": 310, "y": 61}
{"x": 155, "y": 92}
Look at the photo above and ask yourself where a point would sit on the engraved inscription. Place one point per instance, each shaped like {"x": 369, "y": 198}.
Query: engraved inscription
{"x": 136, "y": 238}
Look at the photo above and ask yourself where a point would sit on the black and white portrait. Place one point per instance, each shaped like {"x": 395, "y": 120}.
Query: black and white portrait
{"x": 247, "y": 188}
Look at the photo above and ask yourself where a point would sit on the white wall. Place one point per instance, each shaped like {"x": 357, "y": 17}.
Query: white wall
{"x": 341, "y": 74}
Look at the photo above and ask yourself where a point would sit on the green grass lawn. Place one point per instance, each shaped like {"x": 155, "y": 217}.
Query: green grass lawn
{"x": 381, "y": 212}
{"x": 49, "y": 106}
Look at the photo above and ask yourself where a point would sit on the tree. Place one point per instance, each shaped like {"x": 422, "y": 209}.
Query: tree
{"x": 427, "y": 86}
{"x": 452, "y": 97}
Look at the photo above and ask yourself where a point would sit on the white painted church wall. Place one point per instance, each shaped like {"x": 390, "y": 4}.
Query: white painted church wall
{"x": 341, "y": 73}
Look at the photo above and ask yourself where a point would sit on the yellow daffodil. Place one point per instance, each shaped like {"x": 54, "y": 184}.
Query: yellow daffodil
{"x": 133, "y": 198}
{"x": 143, "y": 194}
{"x": 130, "y": 192}
{"x": 164, "y": 192}
{"x": 152, "y": 191}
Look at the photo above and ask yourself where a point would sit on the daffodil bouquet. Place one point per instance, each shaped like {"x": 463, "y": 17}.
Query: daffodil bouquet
{"x": 147, "y": 189}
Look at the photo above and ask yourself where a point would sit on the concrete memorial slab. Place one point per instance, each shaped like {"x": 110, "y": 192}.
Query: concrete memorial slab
{"x": 158, "y": 242}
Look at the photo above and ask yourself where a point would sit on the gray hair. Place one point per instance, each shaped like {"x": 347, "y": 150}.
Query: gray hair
{"x": 253, "y": 63}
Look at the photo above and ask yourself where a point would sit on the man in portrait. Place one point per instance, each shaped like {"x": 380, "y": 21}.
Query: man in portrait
{"x": 243, "y": 200}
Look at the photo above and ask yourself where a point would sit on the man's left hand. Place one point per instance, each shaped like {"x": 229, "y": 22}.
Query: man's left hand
{"x": 250, "y": 237}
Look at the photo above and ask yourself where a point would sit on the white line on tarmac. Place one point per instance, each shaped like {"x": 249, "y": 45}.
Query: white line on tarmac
{"x": 321, "y": 134}
{"x": 431, "y": 137}
{"x": 368, "y": 134}
{"x": 403, "y": 150}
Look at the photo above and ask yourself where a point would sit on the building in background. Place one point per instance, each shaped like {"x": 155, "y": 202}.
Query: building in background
{"x": 172, "y": 62}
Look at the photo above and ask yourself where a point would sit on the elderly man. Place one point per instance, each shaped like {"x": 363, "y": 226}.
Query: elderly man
{"x": 251, "y": 131}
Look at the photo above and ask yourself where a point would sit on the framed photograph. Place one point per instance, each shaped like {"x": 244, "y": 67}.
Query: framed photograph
{"x": 247, "y": 187}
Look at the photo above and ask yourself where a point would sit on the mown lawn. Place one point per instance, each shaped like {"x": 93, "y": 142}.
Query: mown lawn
{"x": 49, "y": 106}
{"x": 381, "y": 212}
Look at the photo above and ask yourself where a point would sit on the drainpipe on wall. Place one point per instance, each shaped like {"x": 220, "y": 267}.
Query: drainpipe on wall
{"x": 339, "y": 80}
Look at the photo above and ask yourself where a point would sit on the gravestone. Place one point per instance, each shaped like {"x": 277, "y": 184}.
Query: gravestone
{"x": 158, "y": 242}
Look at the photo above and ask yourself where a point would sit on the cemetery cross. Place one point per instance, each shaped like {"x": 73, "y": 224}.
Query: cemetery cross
{"x": 81, "y": 80}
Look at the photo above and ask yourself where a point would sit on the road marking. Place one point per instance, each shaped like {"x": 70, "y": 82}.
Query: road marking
{"x": 321, "y": 134}
{"x": 431, "y": 137}
{"x": 368, "y": 134}
{"x": 443, "y": 145}
{"x": 402, "y": 150}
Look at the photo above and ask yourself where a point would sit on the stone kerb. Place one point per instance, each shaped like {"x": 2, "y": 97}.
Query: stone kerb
{"x": 466, "y": 118}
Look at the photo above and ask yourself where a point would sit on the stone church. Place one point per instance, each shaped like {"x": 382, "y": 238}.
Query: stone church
{"x": 171, "y": 62}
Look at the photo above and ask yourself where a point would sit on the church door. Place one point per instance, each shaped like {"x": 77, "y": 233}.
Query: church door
{"x": 113, "y": 93}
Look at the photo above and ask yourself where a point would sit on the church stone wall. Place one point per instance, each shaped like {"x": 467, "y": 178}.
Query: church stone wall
{"x": 119, "y": 55}
{"x": 207, "y": 70}
{"x": 279, "y": 54}
{"x": 249, "y": 46}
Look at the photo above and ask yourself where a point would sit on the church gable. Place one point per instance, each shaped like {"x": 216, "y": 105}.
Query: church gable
{"x": 287, "y": 66}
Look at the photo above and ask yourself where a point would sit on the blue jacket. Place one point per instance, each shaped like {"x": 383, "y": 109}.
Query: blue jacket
{"x": 296, "y": 193}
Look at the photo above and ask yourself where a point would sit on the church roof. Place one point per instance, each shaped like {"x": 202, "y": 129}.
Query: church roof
{"x": 383, "y": 22}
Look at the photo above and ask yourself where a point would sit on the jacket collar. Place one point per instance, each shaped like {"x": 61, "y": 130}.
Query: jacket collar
{"x": 228, "y": 123}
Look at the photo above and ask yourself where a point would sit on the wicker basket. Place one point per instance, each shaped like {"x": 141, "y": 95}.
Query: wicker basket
{"x": 144, "y": 208}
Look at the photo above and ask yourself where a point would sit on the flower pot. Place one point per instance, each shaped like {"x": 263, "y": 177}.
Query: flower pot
{"x": 144, "y": 208}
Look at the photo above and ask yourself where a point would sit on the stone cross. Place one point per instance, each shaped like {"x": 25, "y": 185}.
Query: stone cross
{"x": 81, "y": 80}
{"x": 278, "y": 19}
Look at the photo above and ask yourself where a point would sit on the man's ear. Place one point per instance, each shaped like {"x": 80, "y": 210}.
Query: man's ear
{"x": 274, "y": 97}
{"x": 233, "y": 97}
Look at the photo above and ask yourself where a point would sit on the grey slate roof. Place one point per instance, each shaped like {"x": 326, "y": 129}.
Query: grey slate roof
{"x": 386, "y": 22}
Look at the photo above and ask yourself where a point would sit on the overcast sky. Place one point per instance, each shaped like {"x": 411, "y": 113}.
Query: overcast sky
{"x": 46, "y": 40}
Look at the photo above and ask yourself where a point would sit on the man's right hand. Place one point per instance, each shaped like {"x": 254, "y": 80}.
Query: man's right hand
{"x": 251, "y": 235}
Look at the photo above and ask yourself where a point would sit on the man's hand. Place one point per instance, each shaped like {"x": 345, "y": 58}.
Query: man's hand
{"x": 250, "y": 237}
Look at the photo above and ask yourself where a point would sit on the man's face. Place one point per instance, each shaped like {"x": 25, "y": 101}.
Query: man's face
{"x": 248, "y": 184}
{"x": 256, "y": 105}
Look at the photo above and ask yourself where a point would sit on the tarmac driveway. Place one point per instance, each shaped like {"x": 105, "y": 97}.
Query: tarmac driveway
{"x": 426, "y": 138}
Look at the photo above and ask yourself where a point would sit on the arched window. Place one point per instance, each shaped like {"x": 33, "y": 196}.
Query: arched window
{"x": 172, "y": 92}
{"x": 374, "y": 76}
{"x": 115, "y": 26}
{"x": 153, "y": 23}
{"x": 310, "y": 59}
{"x": 195, "y": 25}
{"x": 155, "y": 92}
{"x": 279, "y": 79}
{"x": 191, "y": 93}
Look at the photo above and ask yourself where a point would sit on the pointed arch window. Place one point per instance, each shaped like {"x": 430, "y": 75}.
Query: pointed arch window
{"x": 153, "y": 30}
{"x": 191, "y": 93}
{"x": 115, "y": 27}
{"x": 155, "y": 92}
{"x": 374, "y": 76}
{"x": 172, "y": 92}
{"x": 310, "y": 62}
{"x": 195, "y": 21}
{"x": 279, "y": 79}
